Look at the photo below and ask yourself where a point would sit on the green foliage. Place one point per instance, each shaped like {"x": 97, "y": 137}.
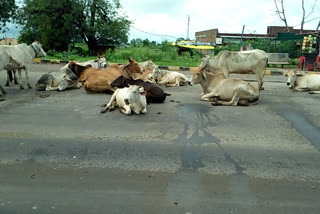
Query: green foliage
{"x": 47, "y": 21}
{"x": 161, "y": 54}
{"x": 266, "y": 45}
{"x": 164, "y": 54}
{"x": 7, "y": 11}
{"x": 59, "y": 23}
{"x": 99, "y": 23}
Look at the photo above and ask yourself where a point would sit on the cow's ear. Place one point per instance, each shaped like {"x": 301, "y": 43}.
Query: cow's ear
{"x": 143, "y": 93}
{"x": 130, "y": 59}
{"x": 298, "y": 73}
{"x": 96, "y": 60}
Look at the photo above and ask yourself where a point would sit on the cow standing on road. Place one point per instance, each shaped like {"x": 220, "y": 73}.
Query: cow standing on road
{"x": 19, "y": 57}
{"x": 11, "y": 74}
{"x": 227, "y": 62}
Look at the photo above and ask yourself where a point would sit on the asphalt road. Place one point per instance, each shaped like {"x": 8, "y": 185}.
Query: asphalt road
{"x": 59, "y": 154}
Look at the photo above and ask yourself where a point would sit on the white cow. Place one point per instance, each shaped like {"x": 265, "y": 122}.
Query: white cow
{"x": 95, "y": 63}
{"x": 169, "y": 78}
{"x": 302, "y": 81}
{"x": 148, "y": 65}
{"x": 11, "y": 74}
{"x": 226, "y": 62}
{"x": 224, "y": 91}
{"x": 19, "y": 57}
{"x": 132, "y": 98}
{"x": 147, "y": 69}
{"x": 58, "y": 80}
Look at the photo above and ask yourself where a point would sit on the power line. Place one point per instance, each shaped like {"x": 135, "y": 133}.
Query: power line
{"x": 307, "y": 21}
{"x": 154, "y": 33}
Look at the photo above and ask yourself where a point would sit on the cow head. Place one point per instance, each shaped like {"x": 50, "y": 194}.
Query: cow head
{"x": 133, "y": 67}
{"x": 197, "y": 76}
{"x": 39, "y": 52}
{"x": 77, "y": 69}
{"x": 102, "y": 63}
{"x": 120, "y": 82}
{"x": 156, "y": 74}
{"x": 292, "y": 78}
{"x": 42, "y": 82}
{"x": 134, "y": 92}
{"x": 136, "y": 98}
{"x": 148, "y": 65}
{"x": 70, "y": 76}
{"x": 204, "y": 62}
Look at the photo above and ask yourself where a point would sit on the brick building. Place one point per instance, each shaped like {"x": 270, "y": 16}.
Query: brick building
{"x": 217, "y": 38}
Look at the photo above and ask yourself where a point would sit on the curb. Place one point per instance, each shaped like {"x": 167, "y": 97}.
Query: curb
{"x": 170, "y": 68}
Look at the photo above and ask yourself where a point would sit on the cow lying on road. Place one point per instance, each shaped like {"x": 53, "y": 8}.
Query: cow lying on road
{"x": 99, "y": 80}
{"x": 154, "y": 94}
{"x": 148, "y": 67}
{"x": 129, "y": 99}
{"x": 19, "y": 57}
{"x": 237, "y": 62}
{"x": 58, "y": 80}
{"x": 169, "y": 78}
{"x": 95, "y": 63}
{"x": 301, "y": 81}
{"x": 224, "y": 91}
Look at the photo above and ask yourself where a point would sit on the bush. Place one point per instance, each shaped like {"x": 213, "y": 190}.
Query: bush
{"x": 294, "y": 61}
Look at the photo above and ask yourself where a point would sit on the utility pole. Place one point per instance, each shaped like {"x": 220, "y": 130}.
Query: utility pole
{"x": 188, "y": 28}
{"x": 241, "y": 38}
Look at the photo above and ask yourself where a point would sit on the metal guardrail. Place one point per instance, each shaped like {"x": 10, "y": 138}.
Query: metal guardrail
{"x": 278, "y": 58}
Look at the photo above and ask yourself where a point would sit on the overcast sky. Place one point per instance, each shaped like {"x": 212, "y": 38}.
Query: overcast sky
{"x": 169, "y": 17}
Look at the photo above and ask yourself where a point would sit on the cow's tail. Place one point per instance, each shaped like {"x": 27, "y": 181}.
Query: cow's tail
{"x": 167, "y": 94}
{"x": 10, "y": 75}
{"x": 266, "y": 65}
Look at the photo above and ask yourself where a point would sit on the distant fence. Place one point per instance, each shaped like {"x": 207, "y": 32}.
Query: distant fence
{"x": 278, "y": 58}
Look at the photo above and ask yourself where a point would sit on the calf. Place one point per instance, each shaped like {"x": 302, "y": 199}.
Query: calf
{"x": 129, "y": 99}
{"x": 224, "y": 91}
{"x": 169, "y": 78}
{"x": 301, "y": 81}
{"x": 154, "y": 94}
{"x": 58, "y": 81}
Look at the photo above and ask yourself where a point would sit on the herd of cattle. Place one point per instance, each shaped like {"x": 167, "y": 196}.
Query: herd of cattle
{"x": 134, "y": 85}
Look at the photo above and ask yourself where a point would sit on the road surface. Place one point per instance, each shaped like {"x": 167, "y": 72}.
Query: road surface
{"x": 59, "y": 154}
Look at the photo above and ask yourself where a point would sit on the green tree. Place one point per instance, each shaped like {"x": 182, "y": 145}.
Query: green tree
{"x": 47, "y": 21}
{"x": 7, "y": 12}
{"x": 99, "y": 23}
{"x": 57, "y": 23}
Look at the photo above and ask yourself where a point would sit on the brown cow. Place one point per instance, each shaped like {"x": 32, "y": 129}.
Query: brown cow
{"x": 98, "y": 81}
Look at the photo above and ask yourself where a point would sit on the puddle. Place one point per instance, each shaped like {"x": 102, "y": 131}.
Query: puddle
{"x": 196, "y": 118}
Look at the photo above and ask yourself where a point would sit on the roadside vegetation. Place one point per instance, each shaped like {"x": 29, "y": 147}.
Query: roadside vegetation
{"x": 166, "y": 54}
